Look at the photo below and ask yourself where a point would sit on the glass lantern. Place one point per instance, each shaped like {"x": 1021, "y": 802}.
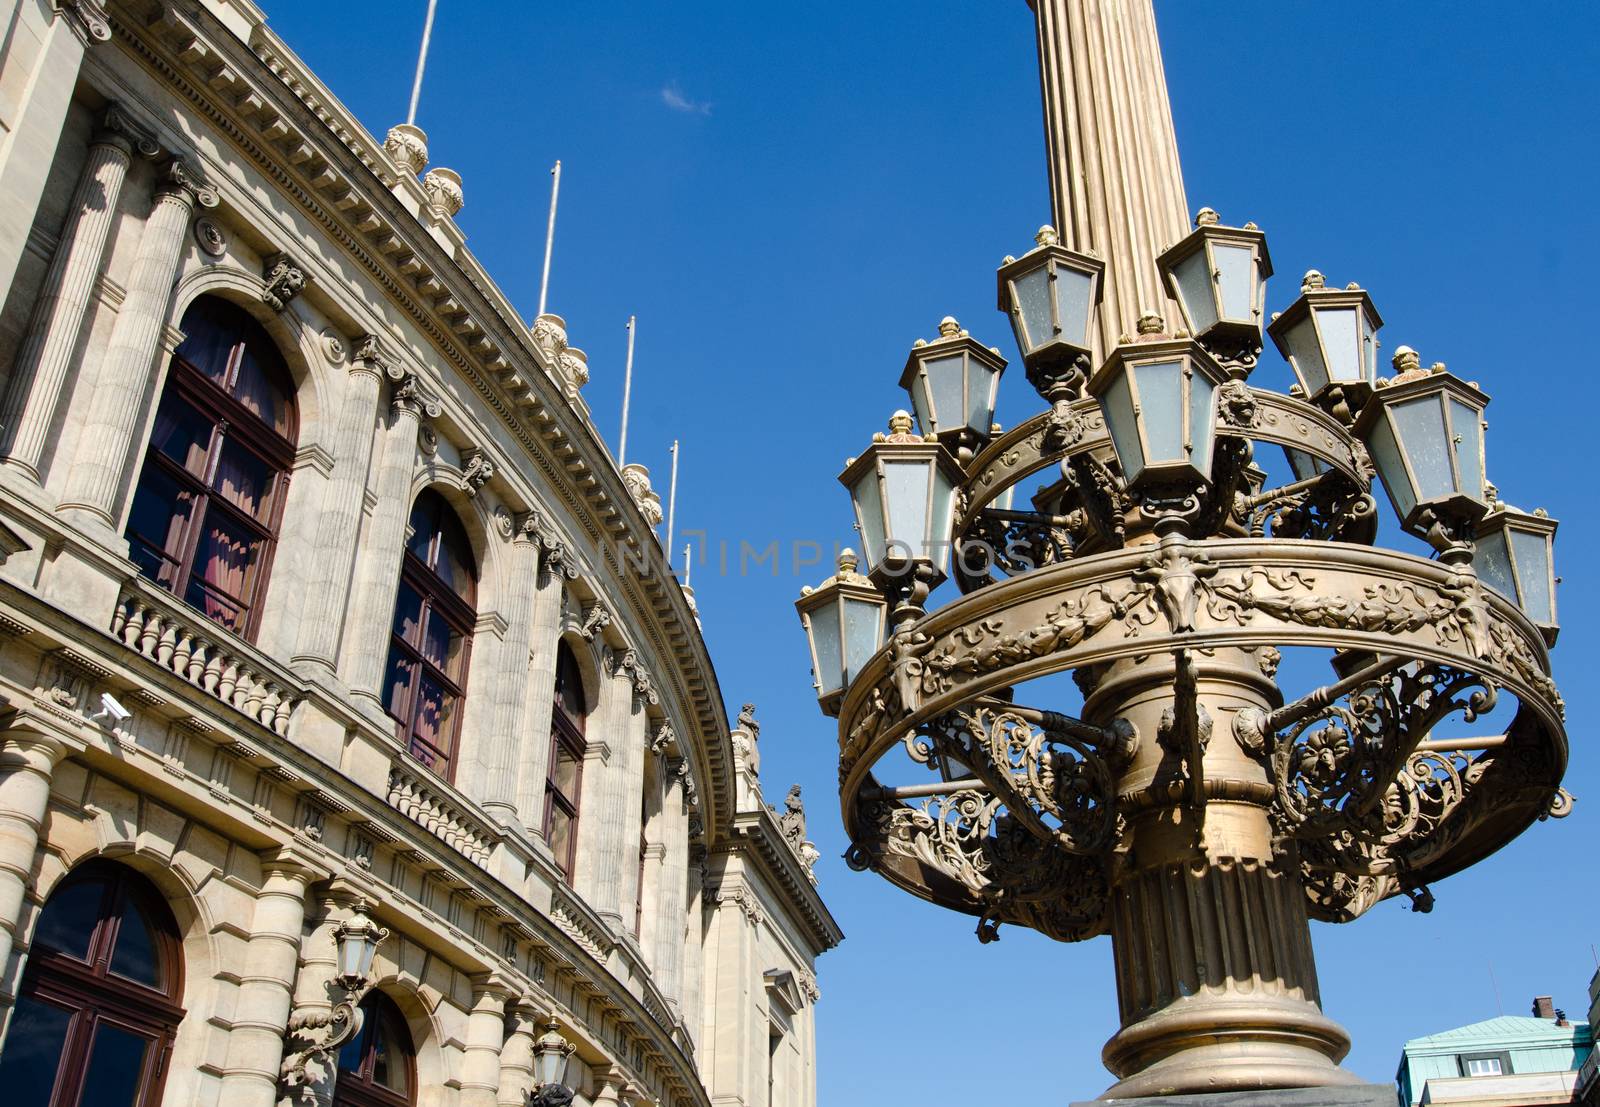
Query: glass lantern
{"x": 357, "y": 938}
{"x": 1515, "y": 555}
{"x": 953, "y": 382}
{"x": 1159, "y": 402}
{"x": 1425, "y": 435}
{"x": 1051, "y": 294}
{"x": 1219, "y": 275}
{"x": 903, "y": 490}
{"x": 844, "y": 621}
{"x": 550, "y": 1055}
{"x": 1329, "y": 336}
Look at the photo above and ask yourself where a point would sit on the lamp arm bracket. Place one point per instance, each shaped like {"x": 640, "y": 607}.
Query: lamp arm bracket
{"x": 318, "y": 1035}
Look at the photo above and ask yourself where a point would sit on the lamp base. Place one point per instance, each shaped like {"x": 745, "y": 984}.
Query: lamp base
{"x": 1347, "y": 1095}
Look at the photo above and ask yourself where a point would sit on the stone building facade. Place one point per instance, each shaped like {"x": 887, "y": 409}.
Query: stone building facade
{"x": 322, "y": 599}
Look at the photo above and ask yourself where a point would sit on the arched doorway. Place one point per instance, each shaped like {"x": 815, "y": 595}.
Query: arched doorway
{"x": 378, "y": 1068}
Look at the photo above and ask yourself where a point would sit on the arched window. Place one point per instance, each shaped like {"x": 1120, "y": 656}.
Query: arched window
{"x": 95, "y": 1018}
{"x": 378, "y": 1067}
{"x": 433, "y": 617}
{"x": 564, "y": 783}
{"x": 210, "y": 495}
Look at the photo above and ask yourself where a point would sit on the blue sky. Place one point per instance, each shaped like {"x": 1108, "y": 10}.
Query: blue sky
{"x": 788, "y": 195}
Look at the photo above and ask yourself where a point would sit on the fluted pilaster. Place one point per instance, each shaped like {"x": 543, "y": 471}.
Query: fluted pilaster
{"x": 46, "y": 356}
{"x": 125, "y": 374}
{"x": 533, "y": 767}
{"x": 673, "y": 885}
{"x": 1116, "y": 186}
{"x": 506, "y": 734}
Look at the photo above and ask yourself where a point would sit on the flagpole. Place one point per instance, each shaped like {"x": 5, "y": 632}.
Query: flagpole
{"x": 422, "y": 62}
{"x": 688, "y": 562}
{"x": 627, "y": 393}
{"x": 550, "y": 234}
{"x": 672, "y": 500}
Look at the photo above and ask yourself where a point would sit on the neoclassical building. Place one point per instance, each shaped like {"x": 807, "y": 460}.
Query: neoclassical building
{"x": 323, "y": 603}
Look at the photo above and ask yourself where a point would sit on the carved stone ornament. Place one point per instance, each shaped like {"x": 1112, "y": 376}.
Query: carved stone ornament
{"x": 550, "y": 335}
{"x": 445, "y": 197}
{"x": 476, "y": 469}
{"x": 595, "y": 619}
{"x": 87, "y": 18}
{"x": 407, "y": 145}
{"x": 120, "y": 129}
{"x": 209, "y": 237}
{"x": 408, "y": 396}
{"x": 180, "y": 178}
{"x": 626, "y": 663}
{"x": 636, "y": 478}
{"x": 664, "y": 739}
{"x": 574, "y": 366}
{"x": 333, "y": 346}
{"x": 284, "y": 280}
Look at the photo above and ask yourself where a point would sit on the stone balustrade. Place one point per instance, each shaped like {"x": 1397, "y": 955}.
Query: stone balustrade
{"x": 197, "y": 651}
{"x": 418, "y": 796}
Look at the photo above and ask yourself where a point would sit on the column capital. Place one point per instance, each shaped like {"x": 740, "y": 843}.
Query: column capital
{"x": 117, "y": 128}
{"x": 87, "y": 18}
{"x": 407, "y": 398}
{"x": 492, "y": 986}
{"x": 295, "y": 862}
{"x": 35, "y": 749}
{"x": 181, "y": 179}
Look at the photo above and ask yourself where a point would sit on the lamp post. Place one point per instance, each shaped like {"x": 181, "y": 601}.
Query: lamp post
{"x": 1190, "y": 801}
{"x": 318, "y": 1036}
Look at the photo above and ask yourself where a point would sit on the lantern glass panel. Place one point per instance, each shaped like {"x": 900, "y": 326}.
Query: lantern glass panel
{"x": 1342, "y": 339}
{"x": 1235, "y": 281}
{"x": 1160, "y": 386}
{"x": 1466, "y": 433}
{"x": 1426, "y": 441}
{"x": 1304, "y": 466}
{"x": 1530, "y": 553}
{"x": 1369, "y": 348}
{"x": 869, "y": 513}
{"x": 1196, "y": 291}
{"x": 906, "y": 486}
{"x": 1492, "y": 560}
{"x": 938, "y": 533}
{"x": 1201, "y": 423}
{"x": 1118, "y": 403}
{"x": 1305, "y": 347}
{"x": 863, "y": 633}
{"x": 349, "y": 956}
{"x": 1391, "y": 467}
{"x": 1032, "y": 291}
{"x": 1074, "y": 290}
{"x": 980, "y": 397}
{"x": 826, "y": 642}
{"x": 946, "y": 392}
{"x": 552, "y": 1066}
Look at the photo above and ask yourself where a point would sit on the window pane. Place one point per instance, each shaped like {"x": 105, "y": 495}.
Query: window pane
{"x": 135, "y": 955}
{"x": 558, "y": 833}
{"x": 408, "y": 615}
{"x": 424, "y": 527}
{"x": 566, "y": 772}
{"x": 352, "y": 1052}
{"x": 33, "y": 1050}
{"x": 182, "y": 433}
{"x": 67, "y": 922}
{"x": 442, "y": 646}
{"x": 223, "y": 578}
{"x": 156, "y": 523}
{"x": 209, "y": 335}
{"x": 244, "y": 480}
{"x": 455, "y": 564}
{"x": 435, "y": 714}
{"x": 397, "y": 686}
{"x": 256, "y": 390}
{"x": 389, "y": 1068}
{"x": 116, "y": 1064}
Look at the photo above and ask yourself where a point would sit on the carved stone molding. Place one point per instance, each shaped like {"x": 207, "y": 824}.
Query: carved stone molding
{"x": 445, "y": 197}
{"x": 408, "y": 146}
{"x": 180, "y": 178}
{"x": 87, "y": 18}
{"x": 595, "y": 619}
{"x": 476, "y": 469}
{"x": 118, "y": 128}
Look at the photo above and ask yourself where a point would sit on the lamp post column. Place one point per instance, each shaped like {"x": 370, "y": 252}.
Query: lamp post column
{"x": 1116, "y": 187}
{"x": 47, "y": 354}
{"x": 1216, "y": 982}
{"x": 102, "y": 450}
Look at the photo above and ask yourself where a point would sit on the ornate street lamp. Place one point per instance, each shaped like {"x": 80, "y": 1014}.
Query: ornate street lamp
{"x": 319, "y": 1035}
{"x": 903, "y": 489}
{"x": 1051, "y": 294}
{"x": 1158, "y": 396}
{"x": 843, "y": 619}
{"x": 952, "y": 382}
{"x": 1219, "y": 275}
{"x": 1329, "y": 336}
{"x": 1424, "y": 430}
{"x": 551, "y": 1055}
{"x": 1515, "y": 555}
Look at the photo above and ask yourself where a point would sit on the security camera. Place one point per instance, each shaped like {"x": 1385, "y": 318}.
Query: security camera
{"x": 110, "y": 706}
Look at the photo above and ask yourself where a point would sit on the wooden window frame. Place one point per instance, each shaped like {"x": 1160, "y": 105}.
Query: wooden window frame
{"x": 566, "y": 732}
{"x": 231, "y": 422}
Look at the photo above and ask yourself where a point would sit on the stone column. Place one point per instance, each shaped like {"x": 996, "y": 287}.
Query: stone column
{"x": 735, "y": 1041}
{"x": 608, "y": 1088}
{"x": 673, "y": 884}
{"x": 506, "y": 737}
{"x": 124, "y": 374}
{"x": 633, "y": 815}
{"x": 339, "y": 524}
{"x": 366, "y": 644}
{"x": 40, "y": 57}
{"x": 555, "y": 569}
{"x": 516, "y": 1055}
{"x": 266, "y": 982}
{"x": 1116, "y": 187}
{"x": 480, "y": 1063}
{"x": 47, "y": 353}
{"x": 694, "y": 1015}
{"x": 27, "y": 762}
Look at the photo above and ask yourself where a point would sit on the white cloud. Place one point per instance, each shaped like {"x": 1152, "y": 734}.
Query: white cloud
{"x": 673, "y": 97}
